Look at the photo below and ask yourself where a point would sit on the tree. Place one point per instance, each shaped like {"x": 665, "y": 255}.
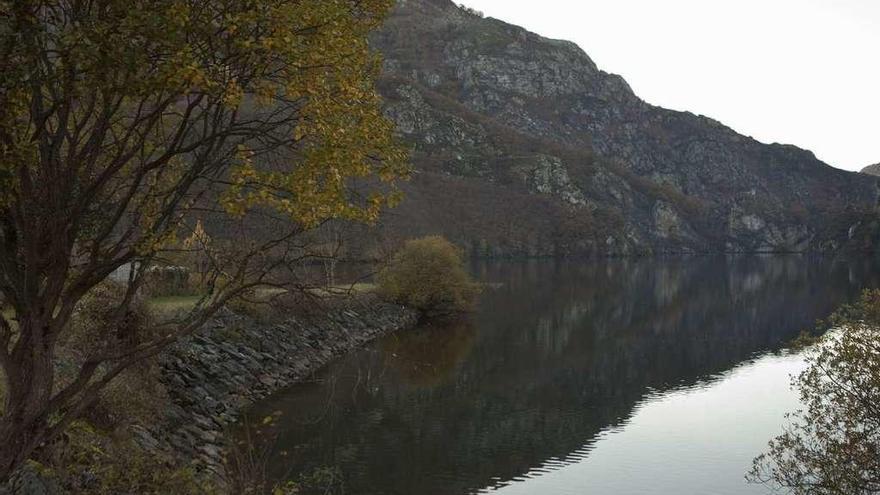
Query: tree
{"x": 122, "y": 121}
{"x": 428, "y": 274}
{"x": 832, "y": 446}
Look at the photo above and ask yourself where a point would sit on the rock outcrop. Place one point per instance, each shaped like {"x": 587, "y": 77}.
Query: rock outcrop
{"x": 872, "y": 170}
{"x": 523, "y": 146}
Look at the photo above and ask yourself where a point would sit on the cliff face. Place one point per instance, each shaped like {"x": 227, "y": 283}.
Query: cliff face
{"x": 523, "y": 146}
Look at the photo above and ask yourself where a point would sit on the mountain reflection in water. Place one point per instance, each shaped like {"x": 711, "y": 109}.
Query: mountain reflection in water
{"x": 557, "y": 355}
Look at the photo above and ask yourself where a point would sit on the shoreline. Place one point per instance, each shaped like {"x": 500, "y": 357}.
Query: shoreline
{"x": 214, "y": 376}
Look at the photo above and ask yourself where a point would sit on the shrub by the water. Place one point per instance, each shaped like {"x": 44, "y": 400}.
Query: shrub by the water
{"x": 428, "y": 274}
{"x": 831, "y": 445}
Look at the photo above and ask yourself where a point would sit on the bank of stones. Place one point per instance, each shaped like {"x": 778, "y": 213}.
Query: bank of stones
{"x": 215, "y": 375}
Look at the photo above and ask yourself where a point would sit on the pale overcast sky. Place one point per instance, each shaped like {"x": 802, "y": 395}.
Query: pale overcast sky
{"x": 804, "y": 72}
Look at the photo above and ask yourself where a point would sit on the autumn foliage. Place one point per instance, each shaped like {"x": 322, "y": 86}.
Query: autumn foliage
{"x": 124, "y": 122}
{"x": 831, "y": 445}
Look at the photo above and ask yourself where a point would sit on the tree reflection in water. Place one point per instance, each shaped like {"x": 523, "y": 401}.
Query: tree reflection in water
{"x": 559, "y": 352}
{"x": 426, "y": 356}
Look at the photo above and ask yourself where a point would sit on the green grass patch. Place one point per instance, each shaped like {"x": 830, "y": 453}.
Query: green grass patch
{"x": 255, "y": 303}
{"x": 344, "y": 289}
{"x": 172, "y": 304}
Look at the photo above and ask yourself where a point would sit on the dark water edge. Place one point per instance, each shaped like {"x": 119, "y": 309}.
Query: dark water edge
{"x": 558, "y": 354}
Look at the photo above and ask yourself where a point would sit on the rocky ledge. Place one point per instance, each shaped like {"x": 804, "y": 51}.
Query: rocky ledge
{"x": 214, "y": 376}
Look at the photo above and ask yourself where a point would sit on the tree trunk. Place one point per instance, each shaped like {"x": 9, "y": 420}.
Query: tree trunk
{"x": 24, "y": 423}
{"x": 19, "y": 442}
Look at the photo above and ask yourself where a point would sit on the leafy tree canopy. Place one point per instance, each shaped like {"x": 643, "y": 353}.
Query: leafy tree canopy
{"x": 122, "y": 121}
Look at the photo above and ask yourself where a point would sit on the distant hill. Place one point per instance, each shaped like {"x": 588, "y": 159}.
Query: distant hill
{"x": 523, "y": 146}
{"x": 872, "y": 170}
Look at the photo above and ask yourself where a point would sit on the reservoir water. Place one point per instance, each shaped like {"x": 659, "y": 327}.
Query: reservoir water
{"x": 605, "y": 377}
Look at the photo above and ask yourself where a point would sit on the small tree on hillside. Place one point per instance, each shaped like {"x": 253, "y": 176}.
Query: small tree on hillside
{"x": 122, "y": 120}
{"x": 428, "y": 274}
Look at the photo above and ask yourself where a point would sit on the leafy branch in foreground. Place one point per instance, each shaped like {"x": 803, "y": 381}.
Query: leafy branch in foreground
{"x": 122, "y": 123}
{"x": 832, "y": 446}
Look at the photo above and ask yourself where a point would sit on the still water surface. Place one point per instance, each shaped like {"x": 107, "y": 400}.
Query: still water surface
{"x": 607, "y": 377}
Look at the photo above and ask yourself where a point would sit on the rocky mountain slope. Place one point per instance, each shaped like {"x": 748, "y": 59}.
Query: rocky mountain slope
{"x": 523, "y": 146}
{"x": 872, "y": 169}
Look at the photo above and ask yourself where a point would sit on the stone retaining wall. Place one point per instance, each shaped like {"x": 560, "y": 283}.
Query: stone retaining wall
{"x": 218, "y": 373}
{"x": 234, "y": 361}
